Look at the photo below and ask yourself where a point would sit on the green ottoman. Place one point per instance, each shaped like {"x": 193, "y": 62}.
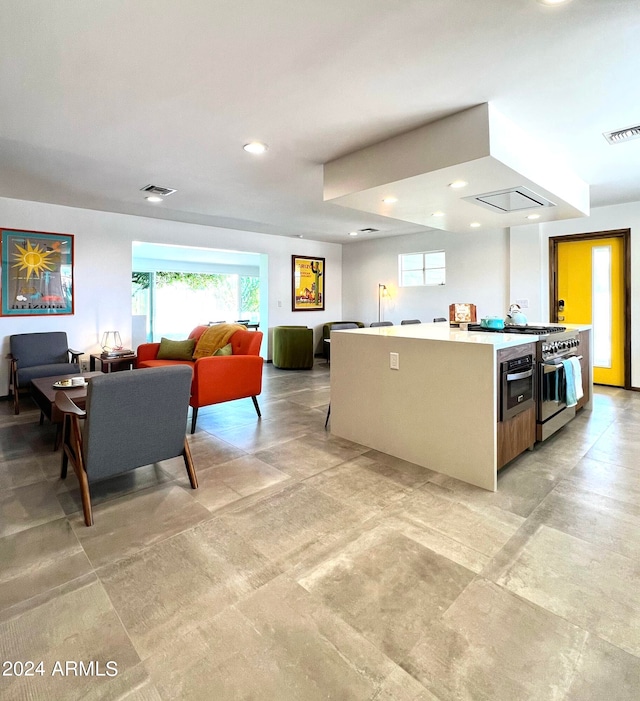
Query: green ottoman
{"x": 293, "y": 347}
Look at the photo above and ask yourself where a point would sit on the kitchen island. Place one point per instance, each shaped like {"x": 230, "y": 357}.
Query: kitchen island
{"x": 438, "y": 409}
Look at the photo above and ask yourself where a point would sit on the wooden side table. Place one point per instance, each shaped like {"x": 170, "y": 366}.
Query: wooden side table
{"x": 112, "y": 364}
{"x": 44, "y": 395}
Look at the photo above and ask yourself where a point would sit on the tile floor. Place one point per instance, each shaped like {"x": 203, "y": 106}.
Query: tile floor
{"x": 307, "y": 567}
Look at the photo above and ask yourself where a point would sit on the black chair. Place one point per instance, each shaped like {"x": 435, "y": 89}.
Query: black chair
{"x": 404, "y": 322}
{"x": 132, "y": 419}
{"x": 381, "y": 323}
{"x": 326, "y": 333}
{"x": 344, "y": 325}
{"x": 438, "y": 318}
{"x": 336, "y": 327}
{"x": 34, "y": 355}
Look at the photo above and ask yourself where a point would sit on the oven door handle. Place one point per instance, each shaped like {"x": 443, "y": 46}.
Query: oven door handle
{"x": 519, "y": 375}
{"x": 558, "y": 363}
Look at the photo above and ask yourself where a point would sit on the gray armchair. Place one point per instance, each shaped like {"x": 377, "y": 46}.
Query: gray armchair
{"x": 132, "y": 419}
{"x": 34, "y": 355}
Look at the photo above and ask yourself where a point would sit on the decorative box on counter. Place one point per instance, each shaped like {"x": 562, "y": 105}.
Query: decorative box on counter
{"x": 462, "y": 313}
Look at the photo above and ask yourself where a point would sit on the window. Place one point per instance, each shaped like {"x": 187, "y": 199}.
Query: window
{"x": 602, "y": 306}
{"x": 176, "y": 302}
{"x": 419, "y": 269}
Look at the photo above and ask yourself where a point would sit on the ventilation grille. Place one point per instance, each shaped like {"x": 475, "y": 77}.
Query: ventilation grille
{"x": 512, "y": 200}
{"x": 368, "y": 231}
{"x": 155, "y": 190}
{"x": 617, "y": 137}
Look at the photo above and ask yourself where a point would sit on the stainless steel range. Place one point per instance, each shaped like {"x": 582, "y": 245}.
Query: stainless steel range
{"x": 554, "y": 345}
{"x": 552, "y": 410}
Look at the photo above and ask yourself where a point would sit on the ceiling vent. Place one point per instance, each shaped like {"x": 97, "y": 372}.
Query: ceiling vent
{"x": 155, "y": 190}
{"x": 617, "y": 137}
{"x": 368, "y": 231}
{"x": 511, "y": 200}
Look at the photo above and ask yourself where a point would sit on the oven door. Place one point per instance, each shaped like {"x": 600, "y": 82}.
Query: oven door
{"x": 517, "y": 391}
{"x": 551, "y": 390}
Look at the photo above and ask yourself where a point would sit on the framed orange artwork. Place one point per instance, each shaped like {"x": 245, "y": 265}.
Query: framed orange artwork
{"x": 307, "y": 280}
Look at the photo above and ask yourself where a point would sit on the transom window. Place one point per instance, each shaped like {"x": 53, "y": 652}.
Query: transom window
{"x": 421, "y": 269}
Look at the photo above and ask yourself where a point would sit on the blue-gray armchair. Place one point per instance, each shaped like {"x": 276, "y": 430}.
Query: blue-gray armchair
{"x": 131, "y": 419}
{"x": 34, "y": 355}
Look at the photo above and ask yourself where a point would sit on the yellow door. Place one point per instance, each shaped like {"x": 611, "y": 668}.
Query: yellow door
{"x": 591, "y": 291}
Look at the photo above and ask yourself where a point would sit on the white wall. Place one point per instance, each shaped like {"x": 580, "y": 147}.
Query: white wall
{"x": 477, "y": 272}
{"x": 527, "y": 279}
{"x": 102, "y": 269}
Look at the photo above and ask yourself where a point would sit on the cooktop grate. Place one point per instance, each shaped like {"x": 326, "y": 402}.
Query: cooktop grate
{"x": 532, "y": 330}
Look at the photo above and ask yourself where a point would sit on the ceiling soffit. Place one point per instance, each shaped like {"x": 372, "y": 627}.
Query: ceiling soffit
{"x": 479, "y": 146}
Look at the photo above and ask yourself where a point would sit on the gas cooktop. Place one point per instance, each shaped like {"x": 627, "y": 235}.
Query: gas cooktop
{"x": 533, "y": 330}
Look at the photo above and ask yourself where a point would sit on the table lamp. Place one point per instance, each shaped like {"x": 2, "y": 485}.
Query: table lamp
{"x": 111, "y": 341}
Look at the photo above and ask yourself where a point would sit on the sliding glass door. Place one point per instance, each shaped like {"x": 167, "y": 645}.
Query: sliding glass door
{"x": 175, "y": 302}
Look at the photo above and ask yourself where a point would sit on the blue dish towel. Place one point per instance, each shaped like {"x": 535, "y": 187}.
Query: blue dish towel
{"x": 570, "y": 383}
{"x": 577, "y": 373}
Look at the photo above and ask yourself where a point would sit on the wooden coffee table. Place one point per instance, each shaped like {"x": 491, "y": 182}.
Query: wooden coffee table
{"x": 44, "y": 395}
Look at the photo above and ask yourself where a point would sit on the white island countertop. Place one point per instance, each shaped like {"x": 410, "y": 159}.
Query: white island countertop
{"x": 442, "y": 331}
{"x": 425, "y": 393}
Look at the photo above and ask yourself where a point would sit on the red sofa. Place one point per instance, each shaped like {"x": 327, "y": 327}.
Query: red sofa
{"x": 217, "y": 379}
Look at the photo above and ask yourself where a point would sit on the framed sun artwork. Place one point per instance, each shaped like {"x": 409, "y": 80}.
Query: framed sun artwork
{"x": 37, "y": 273}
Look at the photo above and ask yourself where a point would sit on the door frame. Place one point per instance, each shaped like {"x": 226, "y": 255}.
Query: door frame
{"x": 625, "y": 235}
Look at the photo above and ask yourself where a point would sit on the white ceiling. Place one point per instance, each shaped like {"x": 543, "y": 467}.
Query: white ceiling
{"x": 100, "y": 99}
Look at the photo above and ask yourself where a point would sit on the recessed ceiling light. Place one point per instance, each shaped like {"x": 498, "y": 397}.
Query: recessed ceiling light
{"x": 390, "y": 200}
{"x": 438, "y": 214}
{"x": 533, "y": 216}
{"x": 353, "y": 233}
{"x": 457, "y": 184}
{"x": 154, "y": 198}
{"x": 474, "y": 224}
{"x": 255, "y": 147}
{"x": 553, "y": 2}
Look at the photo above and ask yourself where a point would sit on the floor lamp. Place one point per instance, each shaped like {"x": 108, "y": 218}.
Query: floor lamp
{"x": 382, "y": 292}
